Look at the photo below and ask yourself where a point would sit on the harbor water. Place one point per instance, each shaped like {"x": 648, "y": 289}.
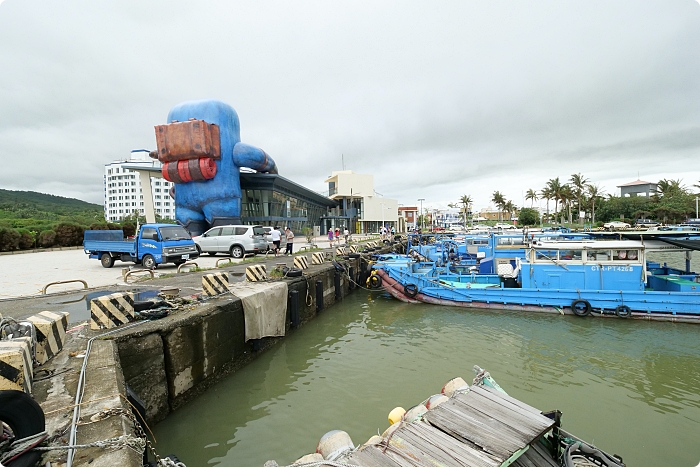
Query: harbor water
{"x": 628, "y": 386}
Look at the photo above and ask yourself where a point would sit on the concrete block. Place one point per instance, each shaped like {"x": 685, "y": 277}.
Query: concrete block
{"x": 215, "y": 284}
{"x": 318, "y": 258}
{"x": 256, "y": 273}
{"x": 111, "y": 311}
{"x": 50, "y": 333}
{"x": 16, "y": 370}
{"x": 301, "y": 262}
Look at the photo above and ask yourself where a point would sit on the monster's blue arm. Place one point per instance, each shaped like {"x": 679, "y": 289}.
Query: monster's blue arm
{"x": 245, "y": 155}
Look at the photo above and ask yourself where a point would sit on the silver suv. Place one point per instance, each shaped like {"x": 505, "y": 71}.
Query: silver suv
{"x": 236, "y": 240}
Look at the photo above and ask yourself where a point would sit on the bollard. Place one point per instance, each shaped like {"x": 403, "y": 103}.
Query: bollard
{"x": 351, "y": 274}
{"x": 319, "y": 296}
{"x": 294, "y": 308}
{"x": 336, "y": 283}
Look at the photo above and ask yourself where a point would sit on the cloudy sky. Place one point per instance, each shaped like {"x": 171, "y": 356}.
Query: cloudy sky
{"x": 436, "y": 99}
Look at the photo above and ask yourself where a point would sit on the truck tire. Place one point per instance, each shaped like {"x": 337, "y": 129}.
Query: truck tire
{"x": 237, "y": 252}
{"x": 149, "y": 262}
{"x": 107, "y": 260}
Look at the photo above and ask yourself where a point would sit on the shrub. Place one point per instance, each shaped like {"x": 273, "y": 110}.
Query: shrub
{"x": 69, "y": 234}
{"x": 26, "y": 239}
{"x": 47, "y": 238}
{"x": 528, "y": 216}
{"x": 129, "y": 229}
{"x": 9, "y": 239}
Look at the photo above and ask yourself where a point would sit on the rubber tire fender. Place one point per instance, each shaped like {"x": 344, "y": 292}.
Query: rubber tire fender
{"x": 375, "y": 281}
{"x": 25, "y": 418}
{"x": 410, "y": 290}
{"x": 294, "y": 272}
{"x": 623, "y": 311}
{"x": 578, "y": 311}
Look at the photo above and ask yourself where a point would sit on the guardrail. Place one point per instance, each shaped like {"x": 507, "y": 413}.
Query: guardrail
{"x": 43, "y": 291}
{"x": 188, "y": 263}
{"x": 137, "y": 271}
{"x": 223, "y": 259}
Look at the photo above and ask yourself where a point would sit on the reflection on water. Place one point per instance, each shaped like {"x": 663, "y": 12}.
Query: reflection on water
{"x": 631, "y": 387}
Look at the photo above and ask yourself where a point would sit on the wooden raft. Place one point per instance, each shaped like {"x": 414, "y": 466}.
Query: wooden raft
{"x": 481, "y": 428}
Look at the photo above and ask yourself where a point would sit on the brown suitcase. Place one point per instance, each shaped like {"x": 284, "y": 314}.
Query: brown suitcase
{"x": 188, "y": 140}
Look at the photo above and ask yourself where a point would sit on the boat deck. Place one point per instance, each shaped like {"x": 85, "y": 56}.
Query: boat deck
{"x": 481, "y": 428}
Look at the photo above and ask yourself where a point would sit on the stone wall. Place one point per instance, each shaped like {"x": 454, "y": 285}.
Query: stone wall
{"x": 170, "y": 361}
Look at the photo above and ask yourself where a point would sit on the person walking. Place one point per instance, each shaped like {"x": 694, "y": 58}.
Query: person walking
{"x": 330, "y": 237}
{"x": 289, "y": 236}
{"x": 337, "y": 236}
{"x": 346, "y": 233}
{"x": 276, "y": 239}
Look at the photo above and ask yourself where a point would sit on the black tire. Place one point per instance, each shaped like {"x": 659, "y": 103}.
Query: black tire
{"x": 354, "y": 255}
{"x": 375, "y": 281}
{"x": 581, "y": 307}
{"x": 211, "y": 253}
{"x": 25, "y": 418}
{"x": 199, "y": 249}
{"x": 623, "y": 311}
{"x": 236, "y": 252}
{"x": 106, "y": 260}
{"x": 294, "y": 272}
{"x": 410, "y": 290}
{"x": 179, "y": 262}
{"x": 149, "y": 262}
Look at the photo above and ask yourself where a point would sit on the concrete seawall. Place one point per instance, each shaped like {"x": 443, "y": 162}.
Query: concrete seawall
{"x": 170, "y": 361}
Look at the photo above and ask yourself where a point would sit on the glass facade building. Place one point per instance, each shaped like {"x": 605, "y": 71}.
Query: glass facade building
{"x": 269, "y": 199}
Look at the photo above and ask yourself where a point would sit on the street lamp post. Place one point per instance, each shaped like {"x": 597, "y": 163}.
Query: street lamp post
{"x": 696, "y": 207}
{"x": 421, "y": 212}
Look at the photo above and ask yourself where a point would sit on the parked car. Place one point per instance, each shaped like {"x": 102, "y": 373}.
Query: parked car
{"x": 236, "y": 240}
{"x": 503, "y": 226}
{"x": 647, "y": 223}
{"x": 614, "y": 225}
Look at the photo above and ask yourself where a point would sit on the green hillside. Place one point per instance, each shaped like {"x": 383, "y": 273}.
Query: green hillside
{"x": 39, "y": 211}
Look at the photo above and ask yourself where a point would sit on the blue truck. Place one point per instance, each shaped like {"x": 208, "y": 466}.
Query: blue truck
{"x": 154, "y": 244}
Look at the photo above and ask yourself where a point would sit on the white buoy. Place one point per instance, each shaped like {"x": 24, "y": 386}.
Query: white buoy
{"x": 454, "y": 385}
{"x": 333, "y": 444}
{"x": 315, "y": 457}
{"x": 415, "y": 412}
{"x": 435, "y": 400}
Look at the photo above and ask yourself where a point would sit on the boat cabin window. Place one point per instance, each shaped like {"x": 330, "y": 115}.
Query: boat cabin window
{"x": 625, "y": 255}
{"x": 544, "y": 255}
{"x": 598, "y": 255}
{"x": 503, "y": 241}
{"x": 479, "y": 242}
{"x": 571, "y": 255}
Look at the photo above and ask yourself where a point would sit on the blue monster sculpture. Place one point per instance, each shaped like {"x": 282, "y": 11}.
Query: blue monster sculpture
{"x": 200, "y": 205}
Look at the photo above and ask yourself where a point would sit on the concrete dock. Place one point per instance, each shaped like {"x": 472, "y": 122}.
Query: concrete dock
{"x": 164, "y": 362}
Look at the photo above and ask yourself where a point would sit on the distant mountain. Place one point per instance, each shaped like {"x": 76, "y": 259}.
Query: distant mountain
{"x": 44, "y": 202}
{"x": 19, "y": 209}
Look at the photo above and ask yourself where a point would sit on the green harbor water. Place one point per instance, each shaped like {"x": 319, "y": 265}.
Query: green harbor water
{"x": 630, "y": 387}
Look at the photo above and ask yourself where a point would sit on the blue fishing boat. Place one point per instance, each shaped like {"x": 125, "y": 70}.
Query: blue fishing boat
{"x": 588, "y": 277}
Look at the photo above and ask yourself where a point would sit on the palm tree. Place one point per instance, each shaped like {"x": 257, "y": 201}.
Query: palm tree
{"x": 567, "y": 196}
{"x": 594, "y": 193}
{"x": 510, "y": 208}
{"x": 670, "y": 187}
{"x": 500, "y": 201}
{"x": 554, "y": 187}
{"x": 466, "y": 201}
{"x": 579, "y": 185}
{"x": 546, "y": 193}
{"x": 532, "y": 196}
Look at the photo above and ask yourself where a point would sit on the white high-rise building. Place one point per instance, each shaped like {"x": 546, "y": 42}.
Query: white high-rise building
{"x": 123, "y": 193}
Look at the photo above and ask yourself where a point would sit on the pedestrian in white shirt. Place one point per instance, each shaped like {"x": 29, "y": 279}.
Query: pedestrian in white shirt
{"x": 276, "y": 239}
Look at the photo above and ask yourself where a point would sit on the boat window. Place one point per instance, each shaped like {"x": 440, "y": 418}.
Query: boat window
{"x": 598, "y": 255}
{"x": 571, "y": 255}
{"x": 509, "y": 241}
{"x": 544, "y": 255}
{"x": 624, "y": 255}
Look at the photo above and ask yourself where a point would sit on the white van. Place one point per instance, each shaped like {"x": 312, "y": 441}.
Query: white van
{"x": 236, "y": 240}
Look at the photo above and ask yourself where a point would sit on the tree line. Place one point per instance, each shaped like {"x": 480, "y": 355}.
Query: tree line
{"x": 671, "y": 203}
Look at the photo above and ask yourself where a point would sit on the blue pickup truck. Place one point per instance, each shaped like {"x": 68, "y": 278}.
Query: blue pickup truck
{"x": 154, "y": 244}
